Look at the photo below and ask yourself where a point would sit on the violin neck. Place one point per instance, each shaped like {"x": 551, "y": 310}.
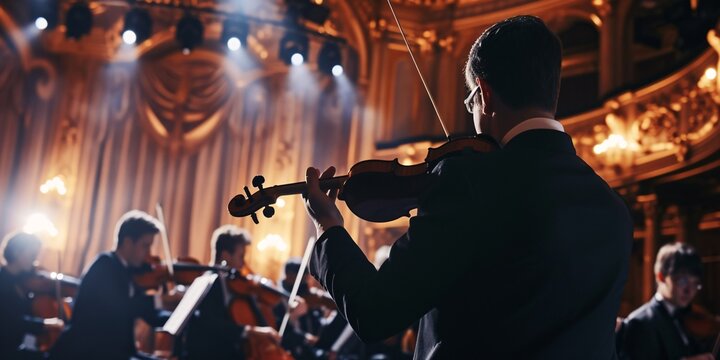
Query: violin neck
{"x": 301, "y": 187}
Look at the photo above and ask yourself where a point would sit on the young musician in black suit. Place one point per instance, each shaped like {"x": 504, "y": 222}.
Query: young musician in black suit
{"x": 108, "y": 302}
{"x": 656, "y": 330}
{"x": 212, "y": 333}
{"x": 16, "y": 319}
{"x": 518, "y": 253}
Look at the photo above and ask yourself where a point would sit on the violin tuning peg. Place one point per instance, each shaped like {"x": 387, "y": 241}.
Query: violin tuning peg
{"x": 258, "y": 181}
{"x": 247, "y": 192}
{"x": 254, "y": 218}
{"x": 268, "y": 211}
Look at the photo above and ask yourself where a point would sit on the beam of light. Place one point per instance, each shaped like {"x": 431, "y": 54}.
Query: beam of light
{"x": 297, "y": 59}
{"x": 41, "y": 23}
{"x": 337, "y": 70}
{"x": 129, "y": 37}
{"x": 303, "y": 82}
{"x": 345, "y": 88}
{"x": 234, "y": 43}
{"x": 39, "y": 223}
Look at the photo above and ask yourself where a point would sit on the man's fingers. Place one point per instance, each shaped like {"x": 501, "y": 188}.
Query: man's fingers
{"x": 311, "y": 178}
{"x": 327, "y": 174}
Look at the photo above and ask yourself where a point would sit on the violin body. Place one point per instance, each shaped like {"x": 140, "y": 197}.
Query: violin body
{"x": 261, "y": 348}
{"x": 704, "y": 327}
{"x": 374, "y": 190}
{"x": 318, "y": 298}
{"x": 252, "y": 304}
{"x": 52, "y": 296}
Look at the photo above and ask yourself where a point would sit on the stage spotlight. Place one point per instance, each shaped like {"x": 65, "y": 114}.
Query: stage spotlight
{"x": 294, "y": 48}
{"x": 297, "y": 59}
{"x": 44, "y": 13}
{"x": 189, "y": 33}
{"x": 41, "y": 23}
{"x": 234, "y": 34}
{"x": 330, "y": 57}
{"x": 137, "y": 27}
{"x": 307, "y": 9}
{"x": 337, "y": 70}
{"x": 78, "y": 20}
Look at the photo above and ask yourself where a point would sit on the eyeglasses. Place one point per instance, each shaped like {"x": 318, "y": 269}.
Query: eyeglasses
{"x": 469, "y": 103}
{"x": 685, "y": 280}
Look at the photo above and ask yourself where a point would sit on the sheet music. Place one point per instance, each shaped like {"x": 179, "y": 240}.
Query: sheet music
{"x": 190, "y": 301}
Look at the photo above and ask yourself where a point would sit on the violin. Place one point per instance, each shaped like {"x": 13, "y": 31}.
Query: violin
{"x": 253, "y": 299}
{"x": 52, "y": 296}
{"x": 318, "y": 298}
{"x": 703, "y": 326}
{"x": 153, "y": 273}
{"x": 374, "y": 190}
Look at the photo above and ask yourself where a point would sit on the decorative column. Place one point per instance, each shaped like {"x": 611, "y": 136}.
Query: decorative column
{"x": 614, "y": 67}
{"x": 650, "y": 242}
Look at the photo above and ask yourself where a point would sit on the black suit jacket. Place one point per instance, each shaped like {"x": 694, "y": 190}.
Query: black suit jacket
{"x": 212, "y": 333}
{"x": 16, "y": 318}
{"x": 518, "y": 253}
{"x": 103, "y": 321}
{"x": 650, "y": 333}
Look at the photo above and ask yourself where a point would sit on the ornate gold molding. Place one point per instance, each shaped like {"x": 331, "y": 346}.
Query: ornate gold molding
{"x": 655, "y": 129}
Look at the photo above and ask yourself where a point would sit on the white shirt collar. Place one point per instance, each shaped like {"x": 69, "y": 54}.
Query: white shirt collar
{"x": 122, "y": 261}
{"x": 668, "y": 306}
{"x": 532, "y": 124}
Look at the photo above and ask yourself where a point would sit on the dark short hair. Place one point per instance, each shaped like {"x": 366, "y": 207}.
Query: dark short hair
{"x": 134, "y": 224}
{"x": 227, "y": 238}
{"x": 676, "y": 258}
{"x": 520, "y": 58}
{"x": 16, "y": 243}
{"x": 292, "y": 266}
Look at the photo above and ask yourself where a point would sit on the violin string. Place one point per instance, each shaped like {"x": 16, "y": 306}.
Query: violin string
{"x": 427, "y": 90}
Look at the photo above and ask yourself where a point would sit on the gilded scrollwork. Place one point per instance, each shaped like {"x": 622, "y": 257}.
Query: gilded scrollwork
{"x": 666, "y": 119}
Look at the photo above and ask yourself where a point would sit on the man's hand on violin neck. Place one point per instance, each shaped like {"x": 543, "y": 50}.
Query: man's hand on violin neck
{"x": 320, "y": 205}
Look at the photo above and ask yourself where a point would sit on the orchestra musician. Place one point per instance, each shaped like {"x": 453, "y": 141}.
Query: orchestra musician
{"x": 311, "y": 333}
{"x": 212, "y": 333}
{"x": 517, "y": 253}
{"x": 109, "y": 302}
{"x": 656, "y": 329}
{"x": 20, "y": 250}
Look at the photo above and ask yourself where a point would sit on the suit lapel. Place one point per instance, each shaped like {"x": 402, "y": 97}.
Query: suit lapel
{"x": 668, "y": 333}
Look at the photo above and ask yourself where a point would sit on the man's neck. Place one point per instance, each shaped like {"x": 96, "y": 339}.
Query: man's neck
{"x": 13, "y": 269}
{"x": 122, "y": 258}
{"x": 666, "y": 301}
{"x": 506, "y": 120}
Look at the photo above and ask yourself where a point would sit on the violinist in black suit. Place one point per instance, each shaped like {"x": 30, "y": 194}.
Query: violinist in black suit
{"x": 656, "y": 330}
{"x": 108, "y": 302}
{"x": 212, "y": 332}
{"x": 16, "y": 319}
{"x": 546, "y": 237}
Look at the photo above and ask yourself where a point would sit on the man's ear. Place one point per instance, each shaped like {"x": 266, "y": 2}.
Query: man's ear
{"x": 486, "y": 95}
{"x": 660, "y": 277}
